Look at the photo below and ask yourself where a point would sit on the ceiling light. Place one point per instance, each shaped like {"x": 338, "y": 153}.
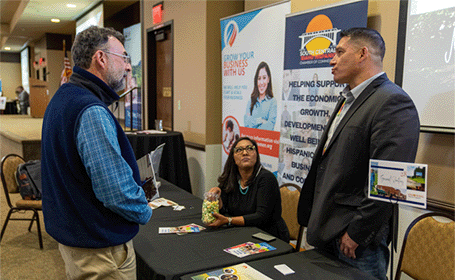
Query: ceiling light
{"x": 7, "y": 48}
{"x": 71, "y": 5}
{"x": 55, "y": 20}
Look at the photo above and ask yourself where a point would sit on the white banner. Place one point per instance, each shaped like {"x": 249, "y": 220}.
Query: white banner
{"x": 252, "y": 67}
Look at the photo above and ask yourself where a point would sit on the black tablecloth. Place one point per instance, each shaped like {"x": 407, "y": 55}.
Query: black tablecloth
{"x": 169, "y": 256}
{"x": 174, "y": 164}
{"x": 311, "y": 265}
{"x": 10, "y": 108}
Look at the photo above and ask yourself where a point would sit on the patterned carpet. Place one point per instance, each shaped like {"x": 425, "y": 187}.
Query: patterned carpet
{"x": 20, "y": 255}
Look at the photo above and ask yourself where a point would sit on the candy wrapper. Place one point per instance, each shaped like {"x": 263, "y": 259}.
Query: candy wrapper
{"x": 211, "y": 204}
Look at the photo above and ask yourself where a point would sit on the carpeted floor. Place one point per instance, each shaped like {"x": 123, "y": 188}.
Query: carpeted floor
{"x": 20, "y": 255}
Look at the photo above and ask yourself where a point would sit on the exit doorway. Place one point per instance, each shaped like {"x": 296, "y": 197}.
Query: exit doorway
{"x": 160, "y": 65}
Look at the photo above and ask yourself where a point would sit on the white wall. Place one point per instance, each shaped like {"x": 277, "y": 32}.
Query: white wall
{"x": 10, "y": 73}
{"x": 204, "y": 168}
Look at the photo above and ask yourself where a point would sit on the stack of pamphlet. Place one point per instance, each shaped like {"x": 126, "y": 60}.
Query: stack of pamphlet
{"x": 249, "y": 248}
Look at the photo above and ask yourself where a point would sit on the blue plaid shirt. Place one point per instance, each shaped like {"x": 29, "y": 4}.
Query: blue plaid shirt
{"x": 111, "y": 176}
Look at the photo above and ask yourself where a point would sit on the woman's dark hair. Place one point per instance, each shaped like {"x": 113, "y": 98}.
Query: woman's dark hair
{"x": 230, "y": 124}
{"x": 228, "y": 180}
{"x": 255, "y": 93}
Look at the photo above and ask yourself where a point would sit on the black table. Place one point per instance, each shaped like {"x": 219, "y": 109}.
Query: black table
{"x": 169, "y": 256}
{"x": 10, "y": 108}
{"x": 311, "y": 265}
{"x": 174, "y": 164}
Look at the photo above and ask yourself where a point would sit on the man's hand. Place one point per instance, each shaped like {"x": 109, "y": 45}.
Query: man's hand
{"x": 348, "y": 246}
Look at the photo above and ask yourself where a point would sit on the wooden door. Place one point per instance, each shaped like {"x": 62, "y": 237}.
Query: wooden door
{"x": 160, "y": 73}
{"x": 39, "y": 97}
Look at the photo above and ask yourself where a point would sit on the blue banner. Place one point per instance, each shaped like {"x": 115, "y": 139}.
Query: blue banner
{"x": 311, "y": 37}
{"x": 309, "y": 92}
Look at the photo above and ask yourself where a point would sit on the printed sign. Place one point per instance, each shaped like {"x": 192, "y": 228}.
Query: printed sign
{"x": 309, "y": 93}
{"x": 398, "y": 182}
{"x": 252, "y": 67}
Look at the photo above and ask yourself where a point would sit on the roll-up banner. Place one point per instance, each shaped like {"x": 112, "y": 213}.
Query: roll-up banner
{"x": 309, "y": 93}
{"x": 133, "y": 103}
{"x": 252, "y": 67}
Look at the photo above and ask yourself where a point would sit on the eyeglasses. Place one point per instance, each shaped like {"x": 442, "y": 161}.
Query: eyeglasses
{"x": 248, "y": 149}
{"x": 126, "y": 57}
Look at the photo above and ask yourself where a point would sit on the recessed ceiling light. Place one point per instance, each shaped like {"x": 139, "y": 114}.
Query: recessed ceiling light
{"x": 7, "y": 48}
{"x": 55, "y": 20}
{"x": 71, "y": 5}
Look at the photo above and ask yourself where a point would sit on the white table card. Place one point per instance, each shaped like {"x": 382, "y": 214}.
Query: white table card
{"x": 398, "y": 182}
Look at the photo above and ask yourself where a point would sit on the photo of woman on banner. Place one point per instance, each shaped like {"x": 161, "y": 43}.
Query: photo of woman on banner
{"x": 229, "y": 135}
{"x": 261, "y": 111}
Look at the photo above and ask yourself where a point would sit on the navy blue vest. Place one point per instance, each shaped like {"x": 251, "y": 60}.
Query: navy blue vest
{"x": 72, "y": 214}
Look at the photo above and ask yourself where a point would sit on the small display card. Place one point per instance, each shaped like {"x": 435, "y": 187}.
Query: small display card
{"x": 284, "y": 269}
{"x": 398, "y": 182}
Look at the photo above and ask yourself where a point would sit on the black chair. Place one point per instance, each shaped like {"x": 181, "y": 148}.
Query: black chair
{"x": 8, "y": 169}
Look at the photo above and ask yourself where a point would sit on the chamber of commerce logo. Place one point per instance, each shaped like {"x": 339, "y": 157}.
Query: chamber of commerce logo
{"x": 230, "y": 33}
{"x": 319, "y": 39}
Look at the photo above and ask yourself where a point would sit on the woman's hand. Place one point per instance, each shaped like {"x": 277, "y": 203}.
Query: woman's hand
{"x": 220, "y": 220}
{"x": 216, "y": 190}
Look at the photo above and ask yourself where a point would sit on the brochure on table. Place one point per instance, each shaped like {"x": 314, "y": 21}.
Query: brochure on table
{"x": 238, "y": 272}
{"x": 156, "y": 203}
{"x": 149, "y": 166}
{"x": 398, "y": 182}
{"x": 249, "y": 248}
{"x": 181, "y": 229}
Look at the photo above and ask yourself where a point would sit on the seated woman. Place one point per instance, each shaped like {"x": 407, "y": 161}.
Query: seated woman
{"x": 249, "y": 194}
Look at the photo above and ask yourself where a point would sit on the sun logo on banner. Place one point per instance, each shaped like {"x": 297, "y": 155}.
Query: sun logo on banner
{"x": 230, "y": 33}
{"x": 319, "y": 36}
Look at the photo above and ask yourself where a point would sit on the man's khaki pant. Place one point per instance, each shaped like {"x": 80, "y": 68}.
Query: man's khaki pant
{"x": 116, "y": 262}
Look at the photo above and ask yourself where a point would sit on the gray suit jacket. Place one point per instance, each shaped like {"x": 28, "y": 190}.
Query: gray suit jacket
{"x": 382, "y": 123}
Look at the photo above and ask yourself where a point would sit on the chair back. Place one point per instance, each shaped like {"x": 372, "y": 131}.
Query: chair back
{"x": 8, "y": 170}
{"x": 428, "y": 250}
{"x": 290, "y": 194}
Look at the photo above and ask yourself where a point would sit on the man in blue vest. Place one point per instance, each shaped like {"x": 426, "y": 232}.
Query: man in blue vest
{"x": 93, "y": 201}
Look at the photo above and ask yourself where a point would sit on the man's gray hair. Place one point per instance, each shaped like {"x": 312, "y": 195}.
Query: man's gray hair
{"x": 90, "y": 40}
